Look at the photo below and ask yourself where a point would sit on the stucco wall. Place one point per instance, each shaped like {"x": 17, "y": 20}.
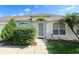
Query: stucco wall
{"x": 49, "y": 29}
{"x": 68, "y": 36}
{"x": 69, "y": 33}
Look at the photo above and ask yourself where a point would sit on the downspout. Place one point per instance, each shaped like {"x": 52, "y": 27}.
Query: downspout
{"x": 45, "y": 30}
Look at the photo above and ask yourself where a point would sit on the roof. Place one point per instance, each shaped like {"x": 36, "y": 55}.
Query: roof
{"x": 25, "y": 16}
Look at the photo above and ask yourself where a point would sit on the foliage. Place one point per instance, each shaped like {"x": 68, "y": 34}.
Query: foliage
{"x": 23, "y": 36}
{"x": 7, "y": 31}
{"x": 71, "y": 19}
{"x": 18, "y": 35}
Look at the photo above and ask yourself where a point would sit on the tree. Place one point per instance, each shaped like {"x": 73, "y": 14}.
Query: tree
{"x": 71, "y": 19}
{"x": 6, "y": 33}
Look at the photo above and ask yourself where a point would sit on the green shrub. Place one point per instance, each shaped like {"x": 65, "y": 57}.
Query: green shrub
{"x": 18, "y": 36}
{"x": 7, "y": 31}
{"x": 24, "y": 36}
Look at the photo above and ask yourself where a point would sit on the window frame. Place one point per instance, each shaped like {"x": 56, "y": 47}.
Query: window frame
{"x": 23, "y": 24}
{"x": 54, "y": 29}
{"x": 59, "y": 29}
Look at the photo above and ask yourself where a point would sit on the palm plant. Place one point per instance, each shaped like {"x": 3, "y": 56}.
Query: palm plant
{"x": 71, "y": 19}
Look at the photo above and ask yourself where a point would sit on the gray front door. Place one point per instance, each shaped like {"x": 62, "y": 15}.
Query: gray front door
{"x": 40, "y": 30}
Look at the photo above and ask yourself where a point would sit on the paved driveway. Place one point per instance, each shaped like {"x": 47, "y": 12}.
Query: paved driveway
{"x": 40, "y": 48}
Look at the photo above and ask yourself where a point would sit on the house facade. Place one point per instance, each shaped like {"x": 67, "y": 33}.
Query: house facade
{"x": 47, "y": 26}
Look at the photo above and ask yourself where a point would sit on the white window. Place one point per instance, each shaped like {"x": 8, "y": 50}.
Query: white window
{"x": 58, "y": 29}
{"x": 24, "y": 24}
{"x": 55, "y": 29}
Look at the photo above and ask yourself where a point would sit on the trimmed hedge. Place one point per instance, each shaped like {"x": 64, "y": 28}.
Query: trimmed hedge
{"x": 7, "y": 31}
{"x": 18, "y": 35}
{"x": 24, "y": 36}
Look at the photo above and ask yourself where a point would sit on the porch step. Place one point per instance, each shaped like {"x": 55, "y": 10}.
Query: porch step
{"x": 40, "y": 42}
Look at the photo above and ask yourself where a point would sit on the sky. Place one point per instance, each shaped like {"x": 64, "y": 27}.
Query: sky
{"x": 14, "y": 10}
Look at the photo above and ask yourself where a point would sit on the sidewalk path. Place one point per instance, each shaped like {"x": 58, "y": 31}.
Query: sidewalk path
{"x": 40, "y": 48}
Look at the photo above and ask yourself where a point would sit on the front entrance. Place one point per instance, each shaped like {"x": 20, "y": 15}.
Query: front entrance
{"x": 41, "y": 30}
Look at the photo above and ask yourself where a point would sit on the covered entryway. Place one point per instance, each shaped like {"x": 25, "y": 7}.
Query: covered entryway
{"x": 40, "y": 28}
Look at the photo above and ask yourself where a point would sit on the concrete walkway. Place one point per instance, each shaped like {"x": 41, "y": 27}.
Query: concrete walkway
{"x": 40, "y": 48}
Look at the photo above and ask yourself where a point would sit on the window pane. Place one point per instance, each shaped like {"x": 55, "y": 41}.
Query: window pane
{"x": 62, "y": 32}
{"x": 24, "y": 24}
{"x": 77, "y": 26}
{"x": 58, "y": 29}
{"x": 62, "y": 26}
{"x": 77, "y": 31}
{"x": 55, "y": 26}
{"x": 55, "y": 32}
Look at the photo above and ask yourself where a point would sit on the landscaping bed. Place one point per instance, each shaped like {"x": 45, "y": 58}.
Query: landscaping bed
{"x": 62, "y": 47}
{"x": 11, "y": 44}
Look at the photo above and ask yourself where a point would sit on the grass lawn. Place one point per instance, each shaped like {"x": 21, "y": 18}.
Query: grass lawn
{"x": 61, "y": 47}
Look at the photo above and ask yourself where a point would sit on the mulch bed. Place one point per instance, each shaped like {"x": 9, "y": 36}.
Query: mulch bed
{"x": 64, "y": 41}
{"x": 2, "y": 43}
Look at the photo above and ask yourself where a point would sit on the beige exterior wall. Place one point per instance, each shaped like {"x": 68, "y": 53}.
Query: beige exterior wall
{"x": 69, "y": 34}
{"x": 49, "y": 22}
{"x": 49, "y": 31}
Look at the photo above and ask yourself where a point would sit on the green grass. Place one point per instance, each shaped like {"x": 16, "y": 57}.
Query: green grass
{"x": 57, "y": 47}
